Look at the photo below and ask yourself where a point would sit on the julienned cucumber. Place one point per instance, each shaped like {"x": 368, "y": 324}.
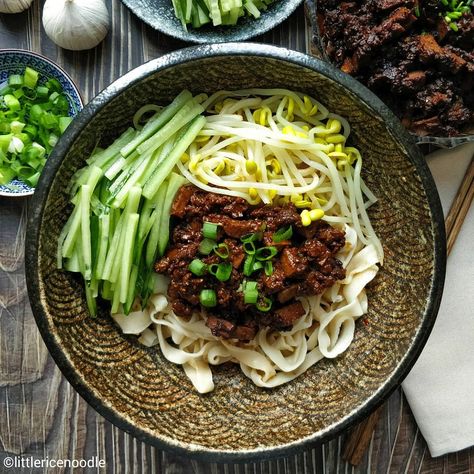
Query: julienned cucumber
{"x": 122, "y": 201}
{"x": 219, "y": 12}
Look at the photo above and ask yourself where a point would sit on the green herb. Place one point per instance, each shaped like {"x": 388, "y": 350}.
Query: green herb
{"x": 222, "y": 250}
{"x": 282, "y": 234}
{"x": 250, "y": 292}
{"x": 264, "y": 304}
{"x": 197, "y": 267}
{"x": 266, "y": 253}
{"x": 209, "y": 230}
{"x": 206, "y": 246}
{"x": 221, "y": 271}
{"x": 208, "y": 298}
{"x": 32, "y": 118}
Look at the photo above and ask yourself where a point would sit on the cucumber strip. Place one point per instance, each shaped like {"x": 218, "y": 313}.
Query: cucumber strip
{"x": 104, "y": 222}
{"x": 215, "y": 12}
{"x": 121, "y": 196}
{"x": 74, "y": 231}
{"x": 106, "y": 292}
{"x": 182, "y": 118}
{"x": 86, "y": 231}
{"x": 90, "y": 177}
{"x": 101, "y": 158}
{"x": 159, "y": 155}
{"x": 155, "y": 124}
{"x": 91, "y": 302}
{"x": 174, "y": 183}
{"x": 154, "y": 235}
{"x": 115, "y": 298}
{"x": 113, "y": 247}
{"x": 127, "y": 255}
{"x": 62, "y": 236}
{"x": 115, "y": 168}
{"x": 72, "y": 264}
{"x": 167, "y": 165}
{"x": 120, "y": 182}
{"x": 131, "y": 290}
{"x": 133, "y": 202}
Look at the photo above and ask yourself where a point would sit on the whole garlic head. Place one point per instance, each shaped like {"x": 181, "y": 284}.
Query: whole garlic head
{"x": 14, "y": 6}
{"x": 76, "y": 24}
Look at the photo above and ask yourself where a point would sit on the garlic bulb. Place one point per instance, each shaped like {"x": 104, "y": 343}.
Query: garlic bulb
{"x": 76, "y": 24}
{"x": 14, "y": 6}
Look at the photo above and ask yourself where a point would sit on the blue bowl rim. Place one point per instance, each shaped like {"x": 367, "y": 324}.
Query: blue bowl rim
{"x": 45, "y": 59}
{"x": 196, "y": 53}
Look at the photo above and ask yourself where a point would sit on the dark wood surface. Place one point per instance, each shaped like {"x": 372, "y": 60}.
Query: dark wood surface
{"x": 40, "y": 414}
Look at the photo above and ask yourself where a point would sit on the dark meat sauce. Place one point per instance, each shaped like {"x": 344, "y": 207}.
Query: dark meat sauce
{"x": 305, "y": 264}
{"x": 405, "y": 51}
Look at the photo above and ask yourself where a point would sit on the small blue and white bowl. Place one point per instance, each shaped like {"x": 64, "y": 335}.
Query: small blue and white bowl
{"x": 14, "y": 61}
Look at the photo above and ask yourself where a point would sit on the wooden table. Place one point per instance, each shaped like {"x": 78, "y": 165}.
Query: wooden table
{"x": 40, "y": 414}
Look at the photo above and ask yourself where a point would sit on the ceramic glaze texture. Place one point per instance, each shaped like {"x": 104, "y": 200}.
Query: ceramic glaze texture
{"x": 138, "y": 389}
{"x": 159, "y": 14}
{"x": 14, "y": 61}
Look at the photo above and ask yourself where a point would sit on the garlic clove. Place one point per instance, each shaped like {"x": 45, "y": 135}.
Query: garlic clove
{"x": 14, "y": 6}
{"x": 76, "y": 24}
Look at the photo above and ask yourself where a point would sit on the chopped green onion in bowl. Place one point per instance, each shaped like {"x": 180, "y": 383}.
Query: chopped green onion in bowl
{"x": 35, "y": 110}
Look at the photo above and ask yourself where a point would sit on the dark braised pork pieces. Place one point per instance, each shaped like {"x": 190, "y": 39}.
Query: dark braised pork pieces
{"x": 418, "y": 63}
{"x": 304, "y": 264}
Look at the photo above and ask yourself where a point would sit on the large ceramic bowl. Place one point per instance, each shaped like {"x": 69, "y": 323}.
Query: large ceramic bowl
{"x": 14, "y": 61}
{"x": 142, "y": 393}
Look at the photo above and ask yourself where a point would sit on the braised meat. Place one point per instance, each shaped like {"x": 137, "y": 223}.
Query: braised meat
{"x": 304, "y": 263}
{"x": 411, "y": 54}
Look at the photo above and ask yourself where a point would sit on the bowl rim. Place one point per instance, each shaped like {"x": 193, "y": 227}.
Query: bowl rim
{"x": 41, "y": 57}
{"x": 440, "y": 141}
{"x": 197, "y": 36}
{"x": 197, "y": 53}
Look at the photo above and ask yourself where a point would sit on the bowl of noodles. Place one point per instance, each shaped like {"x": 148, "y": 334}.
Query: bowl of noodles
{"x": 236, "y": 251}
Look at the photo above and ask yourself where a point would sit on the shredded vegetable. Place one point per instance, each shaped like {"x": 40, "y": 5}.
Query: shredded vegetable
{"x": 122, "y": 201}
{"x": 220, "y": 12}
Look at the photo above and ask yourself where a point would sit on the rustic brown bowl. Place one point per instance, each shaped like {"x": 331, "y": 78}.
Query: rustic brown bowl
{"x": 135, "y": 387}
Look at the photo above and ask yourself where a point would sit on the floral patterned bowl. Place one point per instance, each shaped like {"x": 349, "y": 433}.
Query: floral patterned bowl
{"x": 14, "y": 61}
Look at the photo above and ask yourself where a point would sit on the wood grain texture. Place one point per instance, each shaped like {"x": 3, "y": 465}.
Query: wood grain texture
{"x": 41, "y": 415}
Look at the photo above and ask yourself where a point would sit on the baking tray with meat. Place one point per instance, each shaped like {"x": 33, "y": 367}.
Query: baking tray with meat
{"x": 416, "y": 55}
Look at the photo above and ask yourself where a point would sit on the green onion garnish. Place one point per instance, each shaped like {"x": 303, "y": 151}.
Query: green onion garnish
{"x": 251, "y": 237}
{"x": 249, "y": 247}
{"x": 248, "y": 265}
{"x": 222, "y": 250}
{"x": 206, "y": 246}
{"x": 250, "y": 292}
{"x": 208, "y": 298}
{"x": 282, "y": 234}
{"x": 209, "y": 230}
{"x": 268, "y": 268}
{"x": 264, "y": 304}
{"x": 221, "y": 271}
{"x": 30, "y": 77}
{"x": 257, "y": 266}
{"x": 266, "y": 253}
{"x": 197, "y": 267}
{"x": 32, "y": 118}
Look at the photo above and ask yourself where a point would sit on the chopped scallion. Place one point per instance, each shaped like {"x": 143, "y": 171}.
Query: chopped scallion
{"x": 206, "y": 246}
{"x": 209, "y": 230}
{"x": 197, "y": 267}
{"x": 264, "y": 304}
{"x": 266, "y": 253}
{"x": 282, "y": 234}
{"x": 222, "y": 250}
{"x": 208, "y": 298}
